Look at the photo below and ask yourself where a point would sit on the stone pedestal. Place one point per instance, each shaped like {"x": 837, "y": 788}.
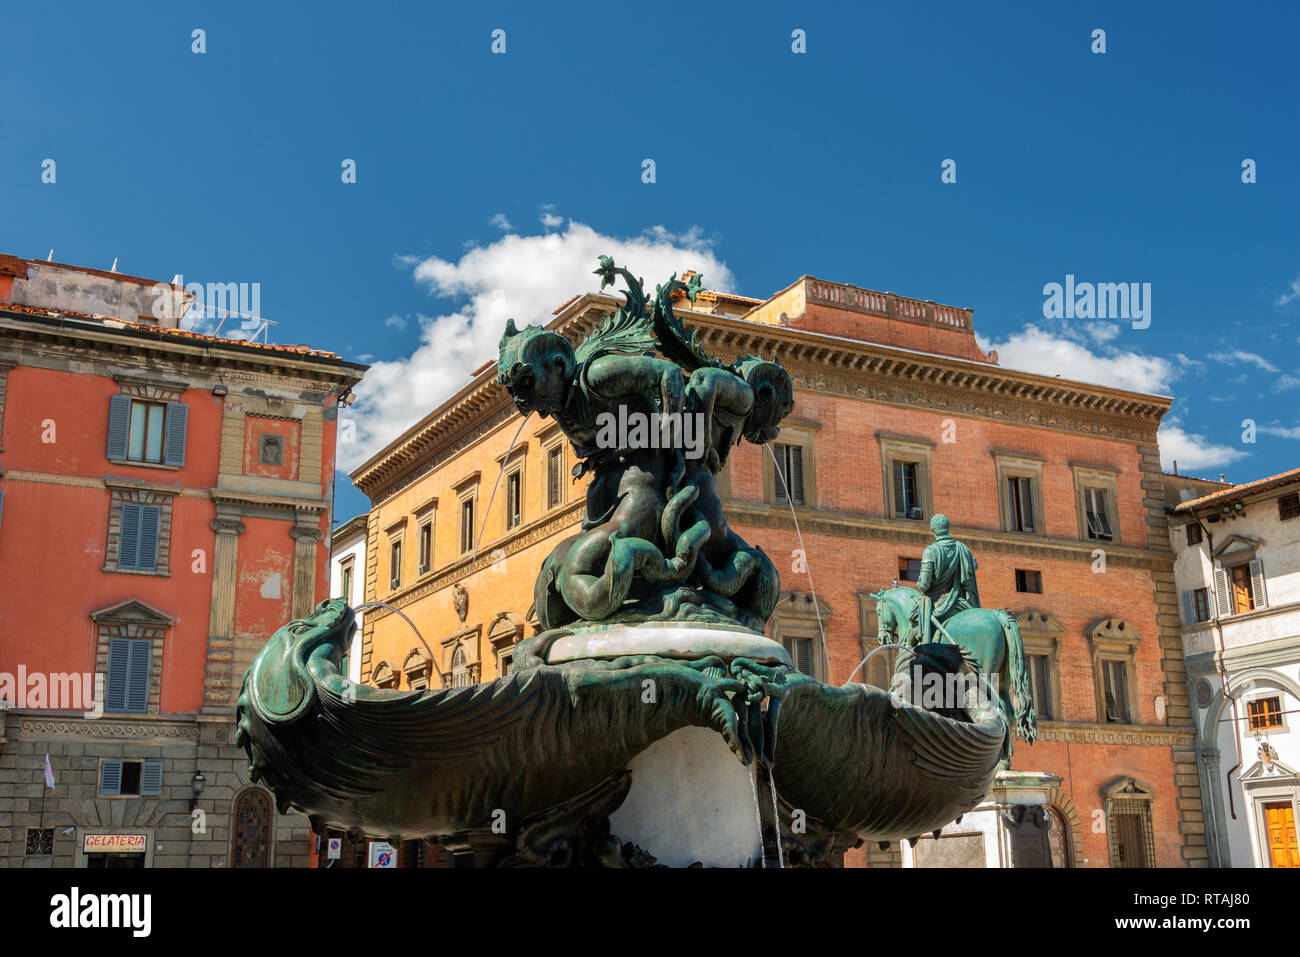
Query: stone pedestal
{"x": 1009, "y": 828}
{"x": 691, "y": 799}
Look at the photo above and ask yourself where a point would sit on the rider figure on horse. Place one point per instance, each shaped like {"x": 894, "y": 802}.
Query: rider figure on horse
{"x": 947, "y": 581}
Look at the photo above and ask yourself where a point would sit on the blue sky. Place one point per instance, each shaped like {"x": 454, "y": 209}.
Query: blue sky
{"x": 487, "y": 182}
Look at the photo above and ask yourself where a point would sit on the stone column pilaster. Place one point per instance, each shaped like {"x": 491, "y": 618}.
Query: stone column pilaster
{"x": 218, "y": 678}
{"x": 305, "y": 539}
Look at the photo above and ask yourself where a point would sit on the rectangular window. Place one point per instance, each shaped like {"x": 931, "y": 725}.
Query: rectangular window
{"x": 1040, "y": 680}
{"x": 1094, "y": 504}
{"x": 514, "y": 500}
{"x": 789, "y": 478}
{"x": 395, "y": 563}
{"x": 129, "y": 661}
{"x": 801, "y": 653}
{"x": 1115, "y": 688}
{"x": 1195, "y": 534}
{"x": 1131, "y": 840}
{"x": 909, "y": 569}
{"x": 1021, "y": 492}
{"x": 1242, "y": 599}
{"x": 142, "y": 778}
{"x": 1264, "y": 713}
{"x": 137, "y": 547}
{"x": 1029, "y": 580}
{"x": 426, "y": 547}
{"x": 507, "y": 664}
{"x": 40, "y": 841}
{"x": 554, "y": 476}
{"x": 347, "y": 583}
{"x": 1288, "y": 507}
{"x": 152, "y": 432}
{"x": 467, "y": 525}
{"x": 907, "y": 490}
{"x": 1200, "y": 604}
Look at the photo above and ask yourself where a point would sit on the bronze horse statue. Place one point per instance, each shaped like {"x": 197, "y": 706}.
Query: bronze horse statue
{"x": 990, "y": 636}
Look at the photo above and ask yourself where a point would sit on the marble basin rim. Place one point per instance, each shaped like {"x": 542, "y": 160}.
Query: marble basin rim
{"x": 685, "y": 641}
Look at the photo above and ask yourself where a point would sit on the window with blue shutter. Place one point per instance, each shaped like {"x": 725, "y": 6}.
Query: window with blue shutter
{"x": 128, "y": 675}
{"x": 110, "y": 777}
{"x": 177, "y": 422}
{"x": 151, "y": 776}
{"x": 137, "y": 547}
{"x": 119, "y": 425}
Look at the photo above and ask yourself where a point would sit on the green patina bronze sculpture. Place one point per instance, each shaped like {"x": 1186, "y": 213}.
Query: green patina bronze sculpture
{"x": 657, "y": 592}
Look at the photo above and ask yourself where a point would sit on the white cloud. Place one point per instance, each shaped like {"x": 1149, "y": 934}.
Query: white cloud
{"x": 1102, "y": 331}
{"x": 1280, "y": 432}
{"x": 1036, "y": 350}
{"x": 1239, "y": 355}
{"x": 1291, "y": 294}
{"x": 551, "y": 220}
{"x": 1192, "y": 451}
{"x": 395, "y": 322}
{"x": 1285, "y": 383}
{"x": 520, "y": 277}
{"x": 501, "y": 223}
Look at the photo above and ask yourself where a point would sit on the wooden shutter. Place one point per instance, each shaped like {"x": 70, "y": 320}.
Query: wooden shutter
{"x": 119, "y": 652}
{"x": 177, "y": 419}
{"x": 151, "y": 778}
{"x": 1115, "y": 684}
{"x": 147, "y": 555}
{"x": 128, "y": 537}
{"x": 554, "y": 465}
{"x": 137, "y": 675}
{"x": 110, "y": 777}
{"x": 1025, "y": 486}
{"x": 1257, "y": 582}
{"x": 119, "y": 425}
{"x": 1189, "y": 607}
{"x": 900, "y": 497}
{"x": 1040, "y": 673}
{"x": 1222, "y": 596}
{"x": 796, "y": 473}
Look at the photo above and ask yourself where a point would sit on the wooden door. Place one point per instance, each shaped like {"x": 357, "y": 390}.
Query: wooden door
{"x": 1280, "y": 819}
{"x": 1241, "y": 596}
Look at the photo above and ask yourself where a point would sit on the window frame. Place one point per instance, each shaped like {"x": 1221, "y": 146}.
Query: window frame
{"x": 173, "y": 429}
{"x": 396, "y": 557}
{"x": 907, "y": 450}
{"x": 1264, "y": 696}
{"x": 514, "y": 511}
{"x": 1013, "y": 465}
{"x": 347, "y": 571}
{"x": 1041, "y": 635}
{"x": 1112, "y": 641}
{"x": 1026, "y": 572}
{"x": 1097, "y": 478}
{"x": 1285, "y": 511}
{"x": 424, "y": 546}
{"x": 801, "y": 435}
{"x": 553, "y": 493}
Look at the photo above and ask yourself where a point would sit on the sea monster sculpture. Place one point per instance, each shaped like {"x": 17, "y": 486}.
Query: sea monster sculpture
{"x": 547, "y": 748}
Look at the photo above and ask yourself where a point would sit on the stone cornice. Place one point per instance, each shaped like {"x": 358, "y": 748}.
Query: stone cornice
{"x": 1081, "y": 732}
{"x": 138, "y": 727}
{"x": 816, "y": 362}
{"x": 181, "y": 357}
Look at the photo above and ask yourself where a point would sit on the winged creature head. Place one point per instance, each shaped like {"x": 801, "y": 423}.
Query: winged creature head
{"x": 536, "y": 366}
{"x": 773, "y": 397}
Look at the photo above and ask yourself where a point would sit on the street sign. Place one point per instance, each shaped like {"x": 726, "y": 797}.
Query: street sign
{"x": 382, "y": 854}
{"x": 335, "y": 848}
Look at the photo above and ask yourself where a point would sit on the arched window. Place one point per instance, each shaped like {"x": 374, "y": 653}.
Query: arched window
{"x": 459, "y": 669}
{"x": 1058, "y": 838}
{"x": 251, "y": 829}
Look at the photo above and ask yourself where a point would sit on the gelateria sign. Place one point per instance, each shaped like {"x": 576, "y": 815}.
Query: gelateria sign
{"x": 114, "y": 843}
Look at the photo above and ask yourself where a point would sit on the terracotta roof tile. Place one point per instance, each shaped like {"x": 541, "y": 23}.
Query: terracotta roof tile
{"x": 1259, "y": 485}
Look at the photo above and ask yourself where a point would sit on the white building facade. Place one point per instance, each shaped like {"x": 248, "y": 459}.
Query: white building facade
{"x": 1237, "y": 570}
{"x": 347, "y": 580}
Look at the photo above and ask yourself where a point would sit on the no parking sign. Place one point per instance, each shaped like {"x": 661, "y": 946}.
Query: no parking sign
{"x": 335, "y": 848}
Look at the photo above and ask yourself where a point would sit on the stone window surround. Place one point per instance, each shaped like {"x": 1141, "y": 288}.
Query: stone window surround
{"x": 1128, "y": 788}
{"x": 1255, "y": 694}
{"x": 1008, "y": 465}
{"x": 1113, "y": 639}
{"x": 396, "y": 532}
{"x": 417, "y": 667}
{"x": 551, "y": 445}
{"x": 906, "y": 449}
{"x": 468, "y": 639}
{"x": 114, "y": 623}
{"x": 348, "y": 564}
{"x": 794, "y": 617}
{"x": 382, "y": 674}
{"x": 506, "y": 631}
{"x": 1271, "y": 789}
{"x": 802, "y": 434}
{"x": 1041, "y": 635}
{"x": 1103, "y": 477}
{"x": 124, "y": 491}
{"x": 467, "y": 491}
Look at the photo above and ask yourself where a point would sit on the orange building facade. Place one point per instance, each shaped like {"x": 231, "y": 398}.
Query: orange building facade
{"x": 1055, "y": 485}
{"x": 165, "y": 503}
